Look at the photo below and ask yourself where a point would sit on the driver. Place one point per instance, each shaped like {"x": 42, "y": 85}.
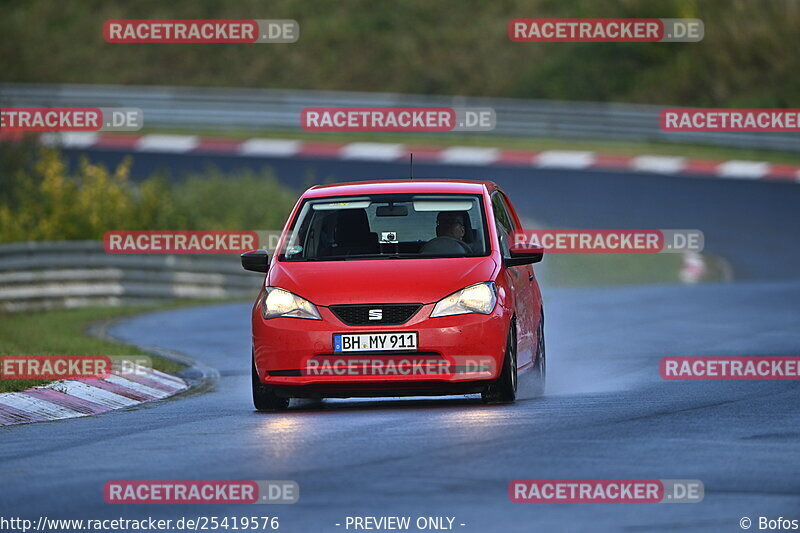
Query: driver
{"x": 450, "y": 230}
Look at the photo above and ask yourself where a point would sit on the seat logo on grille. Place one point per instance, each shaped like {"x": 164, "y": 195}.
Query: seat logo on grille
{"x": 376, "y": 314}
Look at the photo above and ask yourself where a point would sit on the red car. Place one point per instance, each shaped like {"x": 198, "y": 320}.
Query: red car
{"x": 397, "y": 288}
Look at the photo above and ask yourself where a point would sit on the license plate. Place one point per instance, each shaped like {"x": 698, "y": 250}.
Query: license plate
{"x": 375, "y": 342}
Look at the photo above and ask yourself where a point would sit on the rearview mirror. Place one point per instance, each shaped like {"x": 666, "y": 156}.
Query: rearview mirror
{"x": 524, "y": 254}
{"x": 255, "y": 260}
{"x": 391, "y": 211}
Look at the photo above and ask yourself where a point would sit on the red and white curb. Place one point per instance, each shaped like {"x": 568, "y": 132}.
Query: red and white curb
{"x": 454, "y": 155}
{"x": 87, "y": 396}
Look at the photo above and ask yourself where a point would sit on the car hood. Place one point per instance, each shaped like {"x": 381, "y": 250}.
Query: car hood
{"x": 380, "y": 281}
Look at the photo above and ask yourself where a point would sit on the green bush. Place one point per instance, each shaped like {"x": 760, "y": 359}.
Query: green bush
{"x": 41, "y": 200}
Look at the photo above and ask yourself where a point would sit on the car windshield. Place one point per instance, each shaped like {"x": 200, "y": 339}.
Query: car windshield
{"x": 397, "y": 226}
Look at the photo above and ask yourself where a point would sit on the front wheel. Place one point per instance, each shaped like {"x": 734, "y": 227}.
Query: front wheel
{"x": 264, "y": 398}
{"x": 504, "y": 389}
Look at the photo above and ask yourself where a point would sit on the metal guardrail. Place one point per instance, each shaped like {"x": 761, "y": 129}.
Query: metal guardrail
{"x": 219, "y": 108}
{"x": 44, "y": 275}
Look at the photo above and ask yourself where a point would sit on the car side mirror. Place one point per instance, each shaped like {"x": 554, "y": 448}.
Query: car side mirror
{"x": 524, "y": 254}
{"x": 255, "y": 260}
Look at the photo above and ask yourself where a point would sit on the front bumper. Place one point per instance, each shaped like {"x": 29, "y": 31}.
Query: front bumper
{"x": 282, "y": 349}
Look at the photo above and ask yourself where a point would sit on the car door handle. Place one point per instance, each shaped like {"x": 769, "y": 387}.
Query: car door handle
{"x": 530, "y": 277}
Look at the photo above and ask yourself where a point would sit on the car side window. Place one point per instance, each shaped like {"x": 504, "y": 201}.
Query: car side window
{"x": 503, "y": 223}
{"x": 508, "y": 211}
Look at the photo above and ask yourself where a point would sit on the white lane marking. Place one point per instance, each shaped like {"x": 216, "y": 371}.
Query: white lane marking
{"x": 37, "y": 406}
{"x": 270, "y": 147}
{"x": 167, "y": 143}
{"x": 70, "y": 139}
{"x": 660, "y": 164}
{"x": 372, "y": 151}
{"x": 564, "y": 159}
{"x": 89, "y": 393}
{"x": 469, "y": 155}
{"x": 742, "y": 169}
{"x": 138, "y": 387}
{"x": 160, "y": 377}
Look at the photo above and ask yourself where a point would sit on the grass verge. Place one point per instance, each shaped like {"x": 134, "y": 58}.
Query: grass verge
{"x": 63, "y": 332}
{"x": 594, "y": 270}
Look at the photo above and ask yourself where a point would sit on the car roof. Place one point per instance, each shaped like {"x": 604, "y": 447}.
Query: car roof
{"x": 395, "y": 186}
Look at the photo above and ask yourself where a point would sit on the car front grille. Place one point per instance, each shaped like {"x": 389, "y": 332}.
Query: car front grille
{"x": 390, "y": 314}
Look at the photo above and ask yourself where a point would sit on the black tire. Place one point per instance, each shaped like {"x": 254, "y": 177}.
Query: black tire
{"x": 504, "y": 389}
{"x": 540, "y": 366}
{"x": 264, "y": 399}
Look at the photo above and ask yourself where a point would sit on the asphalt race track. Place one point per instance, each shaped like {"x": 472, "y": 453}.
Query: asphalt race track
{"x": 751, "y": 223}
{"x": 607, "y": 413}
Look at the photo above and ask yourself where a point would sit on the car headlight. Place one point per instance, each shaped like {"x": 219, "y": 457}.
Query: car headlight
{"x": 279, "y": 302}
{"x": 479, "y": 298}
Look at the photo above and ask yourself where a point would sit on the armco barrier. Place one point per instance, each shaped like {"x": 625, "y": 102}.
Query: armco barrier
{"x": 226, "y": 108}
{"x": 44, "y": 275}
